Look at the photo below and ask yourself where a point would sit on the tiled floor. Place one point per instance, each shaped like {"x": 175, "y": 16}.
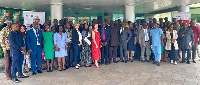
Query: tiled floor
{"x": 131, "y": 73}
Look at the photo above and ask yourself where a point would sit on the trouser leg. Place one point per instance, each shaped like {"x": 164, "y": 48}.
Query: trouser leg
{"x": 8, "y": 63}
{"x": 194, "y": 49}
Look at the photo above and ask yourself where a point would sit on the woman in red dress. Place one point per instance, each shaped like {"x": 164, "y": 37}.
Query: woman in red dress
{"x": 96, "y": 45}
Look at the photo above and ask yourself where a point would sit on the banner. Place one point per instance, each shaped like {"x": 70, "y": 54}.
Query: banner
{"x": 29, "y": 17}
{"x": 184, "y": 16}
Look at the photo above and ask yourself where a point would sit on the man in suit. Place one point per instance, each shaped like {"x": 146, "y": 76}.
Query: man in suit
{"x": 113, "y": 42}
{"x": 144, "y": 41}
{"x": 34, "y": 47}
{"x": 16, "y": 52}
{"x": 105, "y": 37}
{"x": 125, "y": 36}
{"x": 186, "y": 41}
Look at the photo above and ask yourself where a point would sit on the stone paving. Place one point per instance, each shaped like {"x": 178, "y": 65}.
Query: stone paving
{"x": 131, "y": 73}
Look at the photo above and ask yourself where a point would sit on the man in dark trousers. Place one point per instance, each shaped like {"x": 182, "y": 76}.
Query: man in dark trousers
{"x": 16, "y": 52}
{"x": 34, "y": 47}
{"x": 105, "y": 37}
{"x": 125, "y": 36}
{"x": 114, "y": 42}
{"x": 186, "y": 37}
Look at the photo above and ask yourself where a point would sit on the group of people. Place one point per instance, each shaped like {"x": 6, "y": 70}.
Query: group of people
{"x": 65, "y": 44}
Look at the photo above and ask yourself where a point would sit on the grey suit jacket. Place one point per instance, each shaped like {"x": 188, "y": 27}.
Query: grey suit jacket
{"x": 185, "y": 42}
{"x": 125, "y": 35}
{"x": 142, "y": 36}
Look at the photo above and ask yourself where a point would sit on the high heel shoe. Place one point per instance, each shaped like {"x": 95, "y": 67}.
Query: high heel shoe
{"x": 97, "y": 66}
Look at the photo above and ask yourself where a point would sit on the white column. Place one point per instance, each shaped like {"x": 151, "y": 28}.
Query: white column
{"x": 56, "y": 11}
{"x": 129, "y": 12}
{"x": 184, "y": 8}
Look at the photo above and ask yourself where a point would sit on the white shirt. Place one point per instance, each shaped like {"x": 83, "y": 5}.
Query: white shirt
{"x": 146, "y": 35}
{"x": 121, "y": 30}
{"x": 34, "y": 30}
{"x": 80, "y": 36}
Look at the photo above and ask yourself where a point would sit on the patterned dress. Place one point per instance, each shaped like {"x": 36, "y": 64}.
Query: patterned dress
{"x": 86, "y": 52}
{"x": 4, "y": 38}
{"x": 96, "y": 53}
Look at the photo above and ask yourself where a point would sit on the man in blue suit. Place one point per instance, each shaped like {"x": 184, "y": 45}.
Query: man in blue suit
{"x": 105, "y": 37}
{"x": 34, "y": 47}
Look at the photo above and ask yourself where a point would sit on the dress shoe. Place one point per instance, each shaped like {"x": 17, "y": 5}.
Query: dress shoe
{"x": 16, "y": 80}
{"x": 121, "y": 60}
{"x": 143, "y": 61}
{"x": 188, "y": 62}
{"x": 115, "y": 62}
{"x": 131, "y": 60}
{"x": 33, "y": 73}
{"x": 39, "y": 71}
{"x": 23, "y": 76}
{"x": 148, "y": 60}
{"x": 125, "y": 61}
{"x": 154, "y": 62}
{"x": 194, "y": 61}
{"x": 158, "y": 64}
{"x": 182, "y": 61}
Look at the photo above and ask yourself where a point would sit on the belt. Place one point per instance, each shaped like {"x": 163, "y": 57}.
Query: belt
{"x": 146, "y": 41}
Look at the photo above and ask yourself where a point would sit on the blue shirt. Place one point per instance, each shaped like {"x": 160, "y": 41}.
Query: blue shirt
{"x": 156, "y": 36}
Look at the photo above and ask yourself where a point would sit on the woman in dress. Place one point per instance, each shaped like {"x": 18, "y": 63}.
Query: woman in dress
{"x": 172, "y": 45}
{"x": 131, "y": 42}
{"x": 86, "y": 58}
{"x": 22, "y": 31}
{"x": 48, "y": 46}
{"x": 77, "y": 42}
{"x": 60, "y": 43}
{"x": 163, "y": 57}
{"x": 96, "y": 45}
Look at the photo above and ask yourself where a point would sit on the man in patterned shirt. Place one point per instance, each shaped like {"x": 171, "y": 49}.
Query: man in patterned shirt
{"x": 69, "y": 58}
{"x": 6, "y": 46}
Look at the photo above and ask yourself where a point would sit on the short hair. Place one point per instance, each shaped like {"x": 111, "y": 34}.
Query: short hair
{"x": 76, "y": 23}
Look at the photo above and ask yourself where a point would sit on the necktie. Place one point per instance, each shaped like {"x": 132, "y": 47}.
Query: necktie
{"x": 103, "y": 35}
{"x": 146, "y": 35}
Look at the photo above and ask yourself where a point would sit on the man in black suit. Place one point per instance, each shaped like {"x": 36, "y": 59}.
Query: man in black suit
{"x": 114, "y": 42}
{"x": 105, "y": 37}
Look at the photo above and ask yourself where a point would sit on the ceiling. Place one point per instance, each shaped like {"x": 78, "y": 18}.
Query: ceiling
{"x": 96, "y": 6}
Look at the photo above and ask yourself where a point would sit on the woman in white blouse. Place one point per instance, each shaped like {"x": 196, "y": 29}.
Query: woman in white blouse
{"x": 172, "y": 45}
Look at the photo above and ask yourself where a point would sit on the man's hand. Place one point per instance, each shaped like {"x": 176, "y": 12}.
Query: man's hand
{"x": 199, "y": 42}
{"x": 134, "y": 43}
{"x": 18, "y": 13}
{"x": 29, "y": 51}
{"x": 118, "y": 43}
{"x": 183, "y": 35}
{"x": 105, "y": 43}
{"x": 127, "y": 40}
{"x": 140, "y": 45}
{"x": 192, "y": 44}
{"x": 7, "y": 14}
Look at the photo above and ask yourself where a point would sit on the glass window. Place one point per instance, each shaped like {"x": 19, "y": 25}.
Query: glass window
{"x": 118, "y": 16}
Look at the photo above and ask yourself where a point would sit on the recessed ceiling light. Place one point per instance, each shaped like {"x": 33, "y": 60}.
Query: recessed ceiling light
{"x": 116, "y": 1}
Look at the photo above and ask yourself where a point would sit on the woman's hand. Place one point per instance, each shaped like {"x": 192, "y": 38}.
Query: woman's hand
{"x": 96, "y": 46}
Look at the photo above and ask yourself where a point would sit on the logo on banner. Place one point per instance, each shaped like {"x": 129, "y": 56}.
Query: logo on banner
{"x": 31, "y": 15}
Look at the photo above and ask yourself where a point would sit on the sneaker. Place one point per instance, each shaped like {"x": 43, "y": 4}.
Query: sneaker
{"x": 175, "y": 63}
{"x": 172, "y": 61}
{"x": 16, "y": 80}
{"x": 158, "y": 63}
